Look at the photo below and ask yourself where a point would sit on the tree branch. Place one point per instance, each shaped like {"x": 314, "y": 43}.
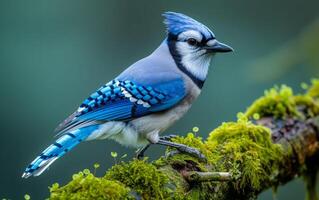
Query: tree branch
{"x": 273, "y": 142}
{"x": 195, "y": 176}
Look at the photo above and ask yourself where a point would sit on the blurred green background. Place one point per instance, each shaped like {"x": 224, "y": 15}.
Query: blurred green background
{"x": 53, "y": 54}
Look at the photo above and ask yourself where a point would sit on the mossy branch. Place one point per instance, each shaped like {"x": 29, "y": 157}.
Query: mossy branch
{"x": 274, "y": 141}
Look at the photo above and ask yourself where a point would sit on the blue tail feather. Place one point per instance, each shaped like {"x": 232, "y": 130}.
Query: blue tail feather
{"x": 56, "y": 150}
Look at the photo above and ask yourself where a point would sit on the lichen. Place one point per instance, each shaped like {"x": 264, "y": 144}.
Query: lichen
{"x": 142, "y": 177}
{"x": 313, "y": 91}
{"x": 84, "y": 185}
{"x": 247, "y": 151}
{"x": 277, "y": 102}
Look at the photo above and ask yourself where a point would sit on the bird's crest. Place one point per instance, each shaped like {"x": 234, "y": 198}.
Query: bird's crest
{"x": 177, "y": 23}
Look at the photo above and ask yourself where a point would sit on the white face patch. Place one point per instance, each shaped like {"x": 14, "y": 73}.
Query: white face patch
{"x": 193, "y": 58}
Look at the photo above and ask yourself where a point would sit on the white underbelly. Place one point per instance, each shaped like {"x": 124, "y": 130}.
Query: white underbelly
{"x": 159, "y": 121}
{"x": 134, "y": 133}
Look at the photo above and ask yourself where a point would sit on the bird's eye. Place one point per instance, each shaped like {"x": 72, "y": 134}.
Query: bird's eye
{"x": 192, "y": 42}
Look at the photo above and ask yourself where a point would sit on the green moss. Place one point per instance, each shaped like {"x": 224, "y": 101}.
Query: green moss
{"x": 313, "y": 91}
{"x": 183, "y": 159}
{"x": 242, "y": 148}
{"x": 247, "y": 151}
{"x": 185, "y": 162}
{"x": 280, "y": 102}
{"x": 277, "y": 102}
{"x": 130, "y": 180}
{"x": 192, "y": 141}
{"x": 85, "y": 185}
{"x": 142, "y": 177}
{"x": 311, "y": 106}
{"x": 177, "y": 183}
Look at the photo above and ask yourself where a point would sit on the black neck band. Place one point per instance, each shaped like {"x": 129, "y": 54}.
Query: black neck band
{"x": 171, "y": 42}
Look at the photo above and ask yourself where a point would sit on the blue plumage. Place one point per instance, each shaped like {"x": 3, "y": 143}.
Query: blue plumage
{"x": 123, "y": 100}
{"x": 58, "y": 149}
{"x": 177, "y": 23}
{"x": 145, "y": 99}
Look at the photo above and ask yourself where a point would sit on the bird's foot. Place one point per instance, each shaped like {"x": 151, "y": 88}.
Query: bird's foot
{"x": 181, "y": 148}
{"x": 172, "y": 153}
{"x": 139, "y": 154}
{"x": 168, "y": 137}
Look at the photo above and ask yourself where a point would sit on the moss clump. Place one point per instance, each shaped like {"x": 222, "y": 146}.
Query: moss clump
{"x": 310, "y": 105}
{"x": 185, "y": 162}
{"x": 242, "y": 148}
{"x": 85, "y": 185}
{"x": 277, "y": 102}
{"x": 142, "y": 177}
{"x": 192, "y": 141}
{"x": 280, "y": 102}
{"x": 247, "y": 151}
{"x": 313, "y": 91}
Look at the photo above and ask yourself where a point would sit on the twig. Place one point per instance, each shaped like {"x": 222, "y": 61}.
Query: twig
{"x": 194, "y": 176}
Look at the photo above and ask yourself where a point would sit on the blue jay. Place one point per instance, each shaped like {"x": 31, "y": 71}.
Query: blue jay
{"x": 145, "y": 99}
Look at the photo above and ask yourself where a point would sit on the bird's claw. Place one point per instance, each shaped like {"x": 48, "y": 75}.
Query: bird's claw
{"x": 168, "y": 137}
{"x": 193, "y": 152}
{"x": 139, "y": 154}
{"x": 188, "y": 150}
{"x": 172, "y": 153}
{"x": 180, "y": 148}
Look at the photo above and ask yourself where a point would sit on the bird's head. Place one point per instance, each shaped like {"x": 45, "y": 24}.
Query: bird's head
{"x": 192, "y": 44}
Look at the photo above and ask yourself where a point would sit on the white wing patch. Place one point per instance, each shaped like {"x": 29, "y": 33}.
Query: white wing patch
{"x": 133, "y": 100}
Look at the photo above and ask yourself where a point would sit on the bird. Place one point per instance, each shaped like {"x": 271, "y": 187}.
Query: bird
{"x": 137, "y": 106}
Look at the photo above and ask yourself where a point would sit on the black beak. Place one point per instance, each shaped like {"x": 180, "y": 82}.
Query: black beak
{"x": 219, "y": 47}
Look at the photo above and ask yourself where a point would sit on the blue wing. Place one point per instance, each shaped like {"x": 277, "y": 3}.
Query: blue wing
{"x": 123, "y": 101}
